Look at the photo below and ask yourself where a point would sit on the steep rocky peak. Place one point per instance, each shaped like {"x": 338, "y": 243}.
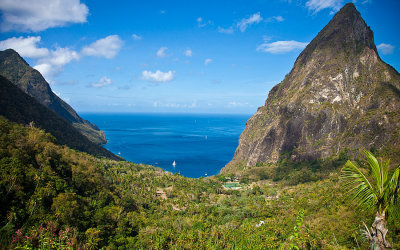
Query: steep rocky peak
{"x": 349, "y": 22}
{"x": 12, "y": 55}
{"x": 347, "y": 32}
{"x": 338, "y": 96}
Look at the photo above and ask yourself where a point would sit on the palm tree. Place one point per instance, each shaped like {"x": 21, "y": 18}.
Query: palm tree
{"x": 375, "y": 192}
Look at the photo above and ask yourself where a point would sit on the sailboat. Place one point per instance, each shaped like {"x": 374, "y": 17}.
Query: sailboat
{"x": 174, "y": 164}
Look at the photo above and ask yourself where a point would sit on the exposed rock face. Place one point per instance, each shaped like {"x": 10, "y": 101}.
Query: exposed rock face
{"x": 339, "y": 95}
{"x": 15, "y": 69}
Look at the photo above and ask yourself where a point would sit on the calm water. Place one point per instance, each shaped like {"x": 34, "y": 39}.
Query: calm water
{"x": 199, "y": 144}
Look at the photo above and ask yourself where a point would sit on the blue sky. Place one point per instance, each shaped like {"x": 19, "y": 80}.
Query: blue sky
{"x": 175, "y": 56}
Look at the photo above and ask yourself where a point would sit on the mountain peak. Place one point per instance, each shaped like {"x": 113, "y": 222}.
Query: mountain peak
{"x": 346, "y": 33}
{"x": 336, "y": 97}
{"x": 12, "y": 56}
{"x": 348, "y": 21}
{"x": 17, "y": 70}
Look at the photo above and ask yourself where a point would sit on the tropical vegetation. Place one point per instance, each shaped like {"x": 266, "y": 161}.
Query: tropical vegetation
{"x": 379, "y": 193}
{"x": 56, "y": 197}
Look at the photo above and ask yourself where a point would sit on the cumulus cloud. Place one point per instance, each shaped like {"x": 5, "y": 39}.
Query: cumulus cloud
{"x": 50, "y": 62}
{"x": 225, "y": 31}
{"x": 207, "y": 61}
{"x": 26, "y": 47}
{"x": 107, "y": 47}
{"x": 385, "y": 48}
{"x": 281, "y": 46}
{"x": 188, "y": 52}
{"x": 136, "y": 37}
{"x": 245, "y": 22}
{"x": 104, "y": 81}
{"x": 161, "y": 52}
{"x": 318, "y": 5}
{"x": 54, "y": 62}
{"x": 158, "y": 76}
{"x": 38, "y": 15}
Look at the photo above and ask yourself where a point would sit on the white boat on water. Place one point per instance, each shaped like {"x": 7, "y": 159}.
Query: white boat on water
{"x": 174, "y": 164}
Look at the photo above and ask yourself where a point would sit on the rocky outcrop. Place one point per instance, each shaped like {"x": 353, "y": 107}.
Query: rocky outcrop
{"x": 17, "y": 70}
{"x": 339, "y": 95}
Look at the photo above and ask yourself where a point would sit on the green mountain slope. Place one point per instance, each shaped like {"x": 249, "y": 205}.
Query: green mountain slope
{"x": 17, "y": 70}
{"x": 338, "y": 96}
{"x": 47, "y": 190}
{"x": 22, "y": 108}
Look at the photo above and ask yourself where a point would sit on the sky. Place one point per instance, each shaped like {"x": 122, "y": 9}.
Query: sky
{"x": 175, "y": 56}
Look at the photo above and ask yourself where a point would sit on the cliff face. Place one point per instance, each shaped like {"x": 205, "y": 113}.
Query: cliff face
{"x": 339, "y": 95}
{"x": 15, "y": 69}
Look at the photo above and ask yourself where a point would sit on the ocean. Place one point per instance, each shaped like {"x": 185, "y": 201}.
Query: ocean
{"x": 200, "y": 144}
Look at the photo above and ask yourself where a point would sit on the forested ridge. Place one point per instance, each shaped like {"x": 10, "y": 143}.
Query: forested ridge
{"x": 54, "y": 196}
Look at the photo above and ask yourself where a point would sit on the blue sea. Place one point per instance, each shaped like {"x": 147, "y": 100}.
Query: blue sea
{"x": 200, "y": 144}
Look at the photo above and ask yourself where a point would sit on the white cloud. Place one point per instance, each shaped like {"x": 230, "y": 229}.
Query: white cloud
{"x": 104, "y": 81}
{"x": 136, "y": 37}
{"x": 318, "y": 5}
{"x": 26, "y": 47}
{"x": 225, "y": 31}
{"x": 238, "y": 104}
{"x": 201, "y": 23}
{"x": 245, "y": 22}
{"x": 51, "y": 62}
{"x": 281, "y": 46}
{"x": 207, "y": 61}
{"x": 385, "y": 48}
{"x": 278, "y": 18}
{"x": 161, "y": 52}
{"x": 275, "y": 19}
{"x": 54, "y": 62}
{"x": 158, "y": 76}
{"x": 38, "y": 15}
{"x": 175, "y": 105}
{"x": 107, "y": 47}
{"x": 188, "y": 52}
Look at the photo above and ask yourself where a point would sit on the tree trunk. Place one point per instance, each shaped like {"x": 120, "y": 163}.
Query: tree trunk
{"x": 377, "y": 235}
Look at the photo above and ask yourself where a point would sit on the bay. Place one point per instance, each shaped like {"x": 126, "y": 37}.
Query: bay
{"x": 200, "y": 144}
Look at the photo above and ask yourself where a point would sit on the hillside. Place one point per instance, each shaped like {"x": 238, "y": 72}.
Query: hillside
{"x": 339, "y": 97}
{"x": 54, "y": 195}
{"x": 22, "y": 108}
{"x": 16, "y": 69}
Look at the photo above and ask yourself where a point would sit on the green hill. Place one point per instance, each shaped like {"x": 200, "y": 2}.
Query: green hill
{"x": 50, "y": 193}
{"x": 22, "y": 108}
{"x": 17, "y": 70}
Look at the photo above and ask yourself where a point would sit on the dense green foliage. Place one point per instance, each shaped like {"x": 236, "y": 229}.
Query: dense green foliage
{"x": 121, "y": 204}
{"x": 378, "y": 192}
{"x": 381, "y": 193}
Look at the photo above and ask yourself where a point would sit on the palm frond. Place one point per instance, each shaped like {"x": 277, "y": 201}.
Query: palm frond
{"x": 379, "y": 171}
{"x": 393, "y": 187}
{"x": 358, "y": 186}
